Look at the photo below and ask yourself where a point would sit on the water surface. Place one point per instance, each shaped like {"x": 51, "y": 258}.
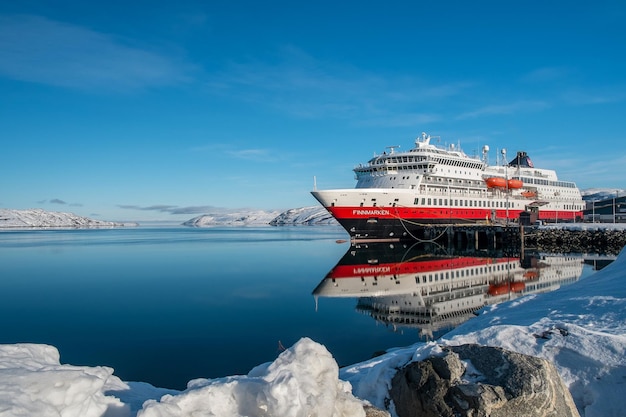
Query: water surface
{"x": 165, "y": 305}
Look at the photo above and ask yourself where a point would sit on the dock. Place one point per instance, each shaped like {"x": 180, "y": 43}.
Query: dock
{"x": 514, "y": 239}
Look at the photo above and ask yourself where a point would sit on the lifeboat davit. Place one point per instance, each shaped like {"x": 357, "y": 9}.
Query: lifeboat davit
{"x": 505, "y": 288}
{"x": 494, "y": 182}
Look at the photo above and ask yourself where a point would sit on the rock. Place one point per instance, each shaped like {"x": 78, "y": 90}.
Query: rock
{"x": 609, "y": 241}
{"x": 481, "y": 381}
{"x": 371, "y": 411}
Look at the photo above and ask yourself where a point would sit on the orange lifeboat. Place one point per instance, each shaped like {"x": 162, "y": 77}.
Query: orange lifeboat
{"x": 529, "y": 194}
{"x": 505, "y": 288}
{"x": 493, "y": 182}
{"x": 515, "y": 184}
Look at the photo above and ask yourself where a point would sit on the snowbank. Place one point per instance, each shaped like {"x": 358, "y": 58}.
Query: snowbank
{"x": 302, "y": 381}
{"x": 33, "y": 383}
{"x": 581, "y": 328}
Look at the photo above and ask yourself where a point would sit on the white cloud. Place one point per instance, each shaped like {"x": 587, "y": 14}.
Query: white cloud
{"x": 506, "y": 108}
{"x": 37, "y": 49}
{"x": 251, "y": 154}
{"x": 546, "y": 74}
{"x": 304, "y": 87}
{"x": 604, "y": 95}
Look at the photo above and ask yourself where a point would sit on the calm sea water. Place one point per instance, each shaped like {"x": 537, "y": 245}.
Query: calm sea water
{"x": 168, "y": 304}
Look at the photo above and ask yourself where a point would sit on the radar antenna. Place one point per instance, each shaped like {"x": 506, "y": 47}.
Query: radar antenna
{"x": 486, "y": 154}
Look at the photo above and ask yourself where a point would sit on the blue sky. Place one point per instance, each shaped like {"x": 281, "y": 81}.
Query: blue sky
{"x": 142, "y": 110}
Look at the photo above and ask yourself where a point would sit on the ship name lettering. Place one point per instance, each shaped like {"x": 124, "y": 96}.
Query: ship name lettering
{"x": 370, "y": 212}
{"x": 372, "y": 270}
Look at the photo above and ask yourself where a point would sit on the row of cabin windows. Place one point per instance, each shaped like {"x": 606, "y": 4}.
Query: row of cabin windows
{"x": 461, "y": 273}
{"x": 443, "y": 161}
{"x": 395, "y": 160}
{"x": 538, "y": 181}
{"x": 462, "y": 203}
{"x": 439, "y": 179}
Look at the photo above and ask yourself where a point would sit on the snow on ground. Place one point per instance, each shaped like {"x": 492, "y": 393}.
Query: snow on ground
{"x": 585, "y": 226}
{"x": 581, "y": 328}
{"x": 302, "y": 381}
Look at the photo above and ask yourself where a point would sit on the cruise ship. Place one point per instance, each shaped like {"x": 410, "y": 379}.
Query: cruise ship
{"x": 414, "y": 288}
{"x": 397, "y": 192}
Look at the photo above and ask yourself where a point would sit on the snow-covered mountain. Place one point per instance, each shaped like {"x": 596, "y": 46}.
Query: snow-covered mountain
{"x": 297, "y": 216}
{"x": 599, "y": 194}
{"x": 235, "y": 218}
{"x": 41, "y": 218}
{"x": 304, "y": 215}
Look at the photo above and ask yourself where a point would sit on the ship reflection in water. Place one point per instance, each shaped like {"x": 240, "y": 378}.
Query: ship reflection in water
{"x": 424, "y": 287}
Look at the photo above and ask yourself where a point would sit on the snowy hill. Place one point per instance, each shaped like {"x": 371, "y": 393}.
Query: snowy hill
{"x": 42, "y": 218}
{"x": 304, "y": 215}
{"x": 599, "y": 194}
{"x": 235, "y": 218}
{"x": 298, "y": 216}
